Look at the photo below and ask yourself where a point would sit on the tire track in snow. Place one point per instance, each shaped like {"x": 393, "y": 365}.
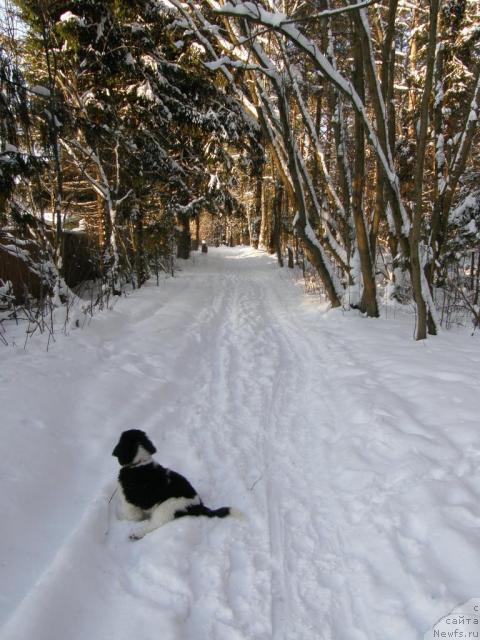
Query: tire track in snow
{"x": 299, "y": 560}
{"x": 273, "y": 341}
{"x": 323, "y": 572}
{"x": 266, "y": 347}
{"x": 268, "y": 343}
{"x": 248, "y": 364}
{"x": 237, "y": 393}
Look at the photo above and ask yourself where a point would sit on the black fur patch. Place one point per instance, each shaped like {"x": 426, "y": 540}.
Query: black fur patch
{"x": 150, "y": 484}
{"x": 202, "y": 510}
{"x": 127, "y": 446}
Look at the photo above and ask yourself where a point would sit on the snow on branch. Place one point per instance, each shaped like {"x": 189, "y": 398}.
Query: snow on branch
{"x": 328, "y": 13}
{"x": 189, "y": 208}
{"x": 68, "y": 16}
{"x": 206, "y": 26}
{"x": 39, "y": 90}
{"x": 225, "y": 60}
{"x": 279, "y": 22}
{"x": 86, "y": 154}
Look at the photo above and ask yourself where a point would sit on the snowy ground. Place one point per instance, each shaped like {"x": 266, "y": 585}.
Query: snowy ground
{"x": 353, "y": 451}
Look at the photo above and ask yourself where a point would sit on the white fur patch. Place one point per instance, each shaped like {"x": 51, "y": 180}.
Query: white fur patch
{"x": 142, "y": 457}
{"x": 163, "y": 513}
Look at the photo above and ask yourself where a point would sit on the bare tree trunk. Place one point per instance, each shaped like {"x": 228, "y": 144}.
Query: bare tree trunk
{"x": 387, "y": 84}
{"x": 264, "y": 221}
{"x": 53, "y": 134}
{"x": 196, "y": 240}
{"x": 184, "y": 237}
{"x": 140, "y": 258}
{"x": 275, "y": 245}
{"x": 368, "y": 303}
{"x": 313, "y": 248}
{"x": 255, "y": 226}
{"x": 419, "y": 283}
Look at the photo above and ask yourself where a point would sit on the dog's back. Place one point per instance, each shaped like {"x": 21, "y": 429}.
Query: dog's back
{"x": 147, "y": 485}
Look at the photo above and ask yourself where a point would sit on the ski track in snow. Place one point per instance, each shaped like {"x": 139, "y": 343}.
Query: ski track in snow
{"x": 352, "y": 451}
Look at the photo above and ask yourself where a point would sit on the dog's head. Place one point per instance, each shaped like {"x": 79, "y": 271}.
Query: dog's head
{"x": 129, "y": 444}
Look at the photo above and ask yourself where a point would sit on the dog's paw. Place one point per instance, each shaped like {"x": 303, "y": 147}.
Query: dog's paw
{"x": 135, "y": 536}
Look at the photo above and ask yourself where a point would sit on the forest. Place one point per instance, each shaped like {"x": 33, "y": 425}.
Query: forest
{"x": 339, "y": 136}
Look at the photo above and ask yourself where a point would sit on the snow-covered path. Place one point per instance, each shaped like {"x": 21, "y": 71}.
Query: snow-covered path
{"x": 352, "y": 450}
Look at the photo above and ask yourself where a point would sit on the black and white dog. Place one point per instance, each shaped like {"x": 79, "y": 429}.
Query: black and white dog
{"x": 151, "y": 492}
